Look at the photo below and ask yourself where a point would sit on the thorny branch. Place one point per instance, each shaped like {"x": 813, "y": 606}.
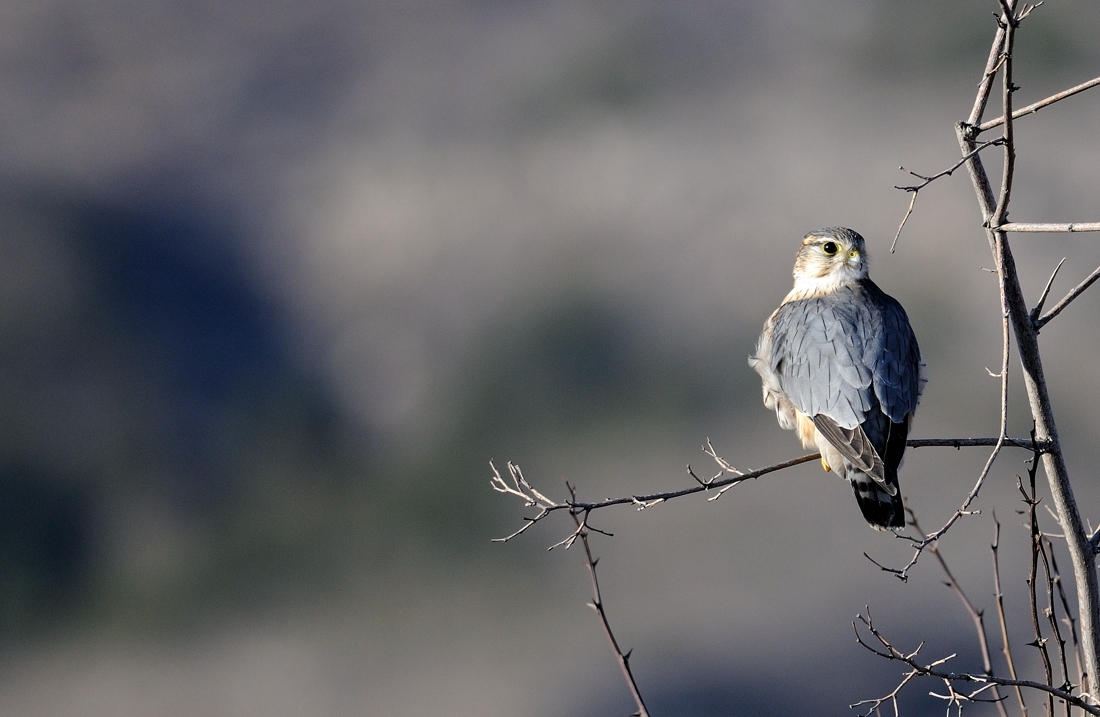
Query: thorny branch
{"x": 1041, "y": 321}
{"x": 1068, "y": 619}
{"x": 597, "y": 604}
{"x": 917, "y": 669}
{"x": 1038, "y": 308}
{"x": 517, "y": 485}
{"x": 1040, "y": 642}
{"x": 915, "y": 188}
{"x": 976, "y": 615}
{"x": 1006, "y": 646}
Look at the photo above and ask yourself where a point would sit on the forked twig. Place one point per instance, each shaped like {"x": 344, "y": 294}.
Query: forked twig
{"x": 886, "y": 650}
{"x": 1057, "y": 308}
{"x": 1036, "y": 106}
{"x": 1038, "y": 308}
{"x": 915, "y": 189}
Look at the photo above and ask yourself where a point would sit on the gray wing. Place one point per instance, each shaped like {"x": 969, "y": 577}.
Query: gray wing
{"x": 894, "y": 356}
{"x": 847, "y": 353}
{"x": 823, "y": 354}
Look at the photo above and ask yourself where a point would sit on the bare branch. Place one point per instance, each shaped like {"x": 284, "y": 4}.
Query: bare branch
{"x": 519, "y": 487}
{"x": 1061, "y": 490}
{"x": 1040, "y": 642}
{"x": 888, "y": 651}
{"x": 1035, "y": 107}
{"x": 1007, "y": 88}
{"x": 947, "y": 172}
{"x": 597, "y": 604}
{"x": 986, "y": 85}
{"x": 1006, "y": 647}
{"x": 1077, "y": 291}
{"x": 975, "y": 614}
{"x": 972, "y": 442}
{"x": 1021, "y": 227}
{"x": 915, "y": 189}
{"x": 1069, "y": 620}
{"x": 1034, "y": 314}
{"x": 908, "y": 212}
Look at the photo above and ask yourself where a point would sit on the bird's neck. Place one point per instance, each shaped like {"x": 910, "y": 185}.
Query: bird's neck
{"x": 809, "y": 287}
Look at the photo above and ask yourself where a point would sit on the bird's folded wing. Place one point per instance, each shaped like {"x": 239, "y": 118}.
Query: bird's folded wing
{"x": 855, "y": 446}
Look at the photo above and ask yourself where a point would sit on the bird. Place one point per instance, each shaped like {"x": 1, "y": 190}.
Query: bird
{"x": 840, "y": 365}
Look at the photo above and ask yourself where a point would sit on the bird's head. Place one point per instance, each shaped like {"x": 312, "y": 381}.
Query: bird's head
{"x": 829, "y": 259}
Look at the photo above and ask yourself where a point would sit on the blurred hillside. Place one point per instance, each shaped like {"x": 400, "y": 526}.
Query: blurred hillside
{"x": 277, "y": 280}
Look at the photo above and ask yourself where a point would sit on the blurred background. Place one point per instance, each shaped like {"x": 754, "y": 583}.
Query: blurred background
{"x": 278, "y": 279}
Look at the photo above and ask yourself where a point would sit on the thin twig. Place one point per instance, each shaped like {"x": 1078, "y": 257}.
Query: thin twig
{"x": 947, "y": 172}
{"x": 1001, "y": 440}
{"x": 1038, "y": 308}
{"x": 915, "y": 189}
{"x": 1052, "y": 617}
{"x": 1035, "y": 107}
{"x": 909, "y": 211}
{"x": 1006, "y": 646}
{"x": 976, "y": 615}
{"x": 1040, "y": 642}
{"x": 1077, "y": 291}
{"x": 1069, "y": 619}
{"x": 597, "y": 604}
{"x": 890, "y": 652}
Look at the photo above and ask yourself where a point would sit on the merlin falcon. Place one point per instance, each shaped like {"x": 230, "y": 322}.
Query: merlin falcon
{"x": 841, "y": 366}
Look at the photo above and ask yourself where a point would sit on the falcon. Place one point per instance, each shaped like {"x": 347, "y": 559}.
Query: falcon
{"x": 840, "y": 365}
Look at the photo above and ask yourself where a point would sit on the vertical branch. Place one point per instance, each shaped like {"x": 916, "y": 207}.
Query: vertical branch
{"x": 986, "y": 85}
{"x": 1001, "y": 615}
{"x": 1054, "y": 464}
{"x": 1007, "y": 88}
{"x": 976, "y": 616}
{"x": 1052, "y": 617}
{"x": 1070, "y": 622}
{"x": 597, "y": 605}
{"x": 1040, "y": 642}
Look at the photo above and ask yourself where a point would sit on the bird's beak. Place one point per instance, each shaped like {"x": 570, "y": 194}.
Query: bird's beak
{"x": 854, "y": 257}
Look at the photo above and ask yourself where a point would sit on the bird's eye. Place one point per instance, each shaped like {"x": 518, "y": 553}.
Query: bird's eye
{"x": 829, "y": 247}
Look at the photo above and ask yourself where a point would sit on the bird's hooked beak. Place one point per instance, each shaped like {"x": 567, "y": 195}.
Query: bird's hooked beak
{"x": 855, "y": 258}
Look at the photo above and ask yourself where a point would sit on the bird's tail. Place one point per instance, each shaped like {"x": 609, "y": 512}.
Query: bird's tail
{"x": 882, "y": 510}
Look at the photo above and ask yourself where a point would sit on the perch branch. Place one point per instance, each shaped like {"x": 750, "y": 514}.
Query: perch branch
{"x": 518, "y": 486}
